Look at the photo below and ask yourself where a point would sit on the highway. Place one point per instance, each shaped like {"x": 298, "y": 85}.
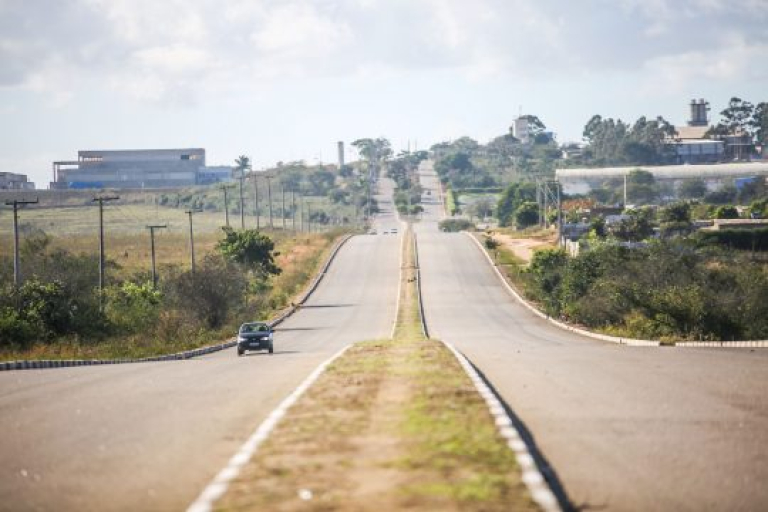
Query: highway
{"x": 623, "y": 428}
{"x": 151, "y": 436}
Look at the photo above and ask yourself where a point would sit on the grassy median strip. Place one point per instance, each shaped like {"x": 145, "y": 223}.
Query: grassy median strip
{"x": 391, "y": 425}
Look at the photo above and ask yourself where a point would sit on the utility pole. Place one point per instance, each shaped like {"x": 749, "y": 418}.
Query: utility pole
{"x": 101, "y": 200}
{"x": 242, "y": 205}
{"x": 301, "y": 202}
{"x": 309, "y": 217}
{"x": 16, "y": 260}
{"x": 269, "y": 198}
{"x": 256, "y": 190}
{"x": 191, "y": 239}
{"x": 293, "y": 210}
{"x": 282, "y": 192}
{"x": 152, "y": 247}
{"x": 226, "y": 203}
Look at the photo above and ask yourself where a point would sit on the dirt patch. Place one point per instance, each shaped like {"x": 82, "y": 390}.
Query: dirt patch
{"x": 523, "y": 248}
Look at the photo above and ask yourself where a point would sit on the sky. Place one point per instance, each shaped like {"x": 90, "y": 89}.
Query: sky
{"x": 284, "y": 80}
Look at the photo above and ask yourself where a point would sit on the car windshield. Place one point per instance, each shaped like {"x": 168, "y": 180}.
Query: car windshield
{"x": 257, "y": 327}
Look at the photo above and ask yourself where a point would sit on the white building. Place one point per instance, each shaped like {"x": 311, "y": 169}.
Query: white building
{"x": 521, "y": 129}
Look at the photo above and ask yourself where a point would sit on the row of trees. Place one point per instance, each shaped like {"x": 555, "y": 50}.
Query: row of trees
{"x": 613, "y": 142}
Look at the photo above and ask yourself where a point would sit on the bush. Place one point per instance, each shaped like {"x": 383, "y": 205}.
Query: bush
{"x": 666, "y": 291}
{"x": 132, "y": 307}
{"x": 455, "y": 225}
{"x": 209, "y": 295}
{"x": 743, "y": 239}
{"x": 727, "y": 212}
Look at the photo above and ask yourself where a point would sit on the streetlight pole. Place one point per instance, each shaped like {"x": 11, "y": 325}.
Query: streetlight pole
{"x": 152, "y": 248}
{"x": 16, "y": 259}
{"x": 293, "y": 210}
{"x": 282, "y": 193}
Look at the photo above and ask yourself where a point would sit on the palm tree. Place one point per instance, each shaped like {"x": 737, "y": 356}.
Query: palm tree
{"x": 242, "y": 164}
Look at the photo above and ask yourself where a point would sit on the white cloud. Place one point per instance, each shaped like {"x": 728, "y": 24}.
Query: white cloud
{"x": 188, "y": 48}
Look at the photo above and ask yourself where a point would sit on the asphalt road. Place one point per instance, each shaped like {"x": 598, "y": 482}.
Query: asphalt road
{"x": 624, "y": 428}
{"x": 150, "y": 436}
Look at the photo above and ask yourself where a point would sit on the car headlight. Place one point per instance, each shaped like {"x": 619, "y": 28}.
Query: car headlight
{"x": 240, "y": 339}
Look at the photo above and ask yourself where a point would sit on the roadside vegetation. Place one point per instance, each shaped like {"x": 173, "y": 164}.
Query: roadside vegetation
{"x": 670, "y": 290}
{"x": 57, "y": 312}
{"x": 391, "y": 425}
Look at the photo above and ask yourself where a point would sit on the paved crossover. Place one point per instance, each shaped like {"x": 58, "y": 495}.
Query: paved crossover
{"x": 624, "y": 428}
{"x": 150, "y": 436}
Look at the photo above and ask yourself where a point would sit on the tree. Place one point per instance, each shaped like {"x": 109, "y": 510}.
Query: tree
{"x": 760, "y": 124}
{"x": 676, "y": 212}
{"x": 211, "y": 292}
{"x": 242, "y": 164}
{"x": 251, "y": 249}
{"x": 727, "y": 212}
{"x": 526, "y": 215}
{"x": 635, "y": 228}
{"x": 511, "y": 198}
{"x": 481, "y": 208}
{"x": 374, "y": 151}
{"x": 693, "y": 189}
{"x": 641, "y": 187}
{"x": 738, "y": 116}
{"x": 614, "y": 142}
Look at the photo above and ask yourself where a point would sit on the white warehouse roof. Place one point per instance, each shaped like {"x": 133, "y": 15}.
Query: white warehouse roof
{"x": 669, "y": 171}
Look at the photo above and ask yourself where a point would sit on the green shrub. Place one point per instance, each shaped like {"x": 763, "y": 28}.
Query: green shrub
{"x": 132, "y": 307}
{"x": 743, "y": 239}
{"x": 455, "y": 225}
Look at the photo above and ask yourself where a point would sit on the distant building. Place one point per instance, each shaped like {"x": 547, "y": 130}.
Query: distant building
{"x": 214, "y": 174}
{"x": 581, "y": 181}
{"x": 521, "y": 129}
{"x": 690, "y": 144}
{"x": 145, "y": 168}
{"x": 13, "y": 181}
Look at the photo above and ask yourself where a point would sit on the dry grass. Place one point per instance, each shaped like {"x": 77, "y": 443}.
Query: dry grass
{"x": 391, "y": 425}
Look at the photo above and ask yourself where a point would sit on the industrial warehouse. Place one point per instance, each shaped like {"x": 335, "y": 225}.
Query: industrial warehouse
{"x": 137, "y": 169}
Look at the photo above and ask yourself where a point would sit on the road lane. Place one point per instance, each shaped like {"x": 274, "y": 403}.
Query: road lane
{"x": 624, "y": 428}
{"x": 150, "y": 436}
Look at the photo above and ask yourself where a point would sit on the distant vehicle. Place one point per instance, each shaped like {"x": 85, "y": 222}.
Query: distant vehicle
{"x": 255, "y": 336}
{"x": 372, "y": 232}
{"x": 394, "y": 230}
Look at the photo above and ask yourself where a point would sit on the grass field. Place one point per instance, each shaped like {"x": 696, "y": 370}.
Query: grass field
{"x": 127, "y": 239}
